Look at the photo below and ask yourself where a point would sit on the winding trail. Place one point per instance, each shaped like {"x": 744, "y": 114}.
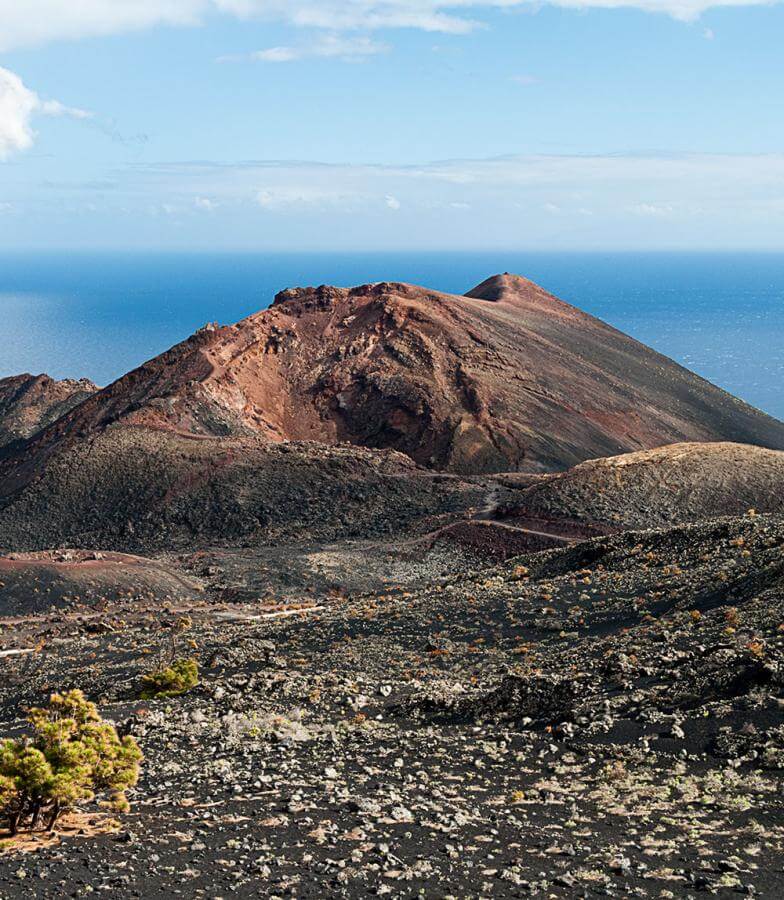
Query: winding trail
{"x": 489, "y": 513}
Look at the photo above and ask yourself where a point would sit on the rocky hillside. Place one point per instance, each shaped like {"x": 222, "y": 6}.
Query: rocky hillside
{"x": 135, "y": 489}
{"x": 411, "y": 682}
{"x": 657, "y": 488}
{"x": 506, "y": 378}
{"x": 30, "y": 402}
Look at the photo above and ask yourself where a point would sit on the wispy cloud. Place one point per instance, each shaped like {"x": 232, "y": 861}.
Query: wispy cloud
{"x": 304, "y": 196}
{"x": 547, "y": 202}
{"x": 656, "y": 210}
{"x": 25, "y": 23}
{"x": 625, "y": 182}
{"x": 55, "y": 108}
{"x": 18, "y": 107}
{"x": 40, "y": 21}
{"x": 686, "y": 10}
{"x": 605, "y": 200}
{"x": 327, "y": 46}
{"x": 343, "y": 15}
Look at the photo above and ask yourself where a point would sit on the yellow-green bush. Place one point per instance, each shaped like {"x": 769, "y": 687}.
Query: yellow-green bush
{"x": 70, "y": 756}
{"x": 176, "y": 679}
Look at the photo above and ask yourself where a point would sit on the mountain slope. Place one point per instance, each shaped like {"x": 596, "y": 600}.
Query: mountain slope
{"x": 505, "y": 378}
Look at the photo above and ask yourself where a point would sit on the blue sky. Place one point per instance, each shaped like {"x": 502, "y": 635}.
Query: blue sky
{"x": 391, "y": 124}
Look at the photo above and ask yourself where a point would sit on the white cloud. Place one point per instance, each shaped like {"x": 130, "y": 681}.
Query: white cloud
{"x": 342, "y": 15}
{"x": 55, "y": 108}
{"x": 525, "y": 80}
{"x": 392, "y": 202}
{"x": 18, "y": 106}
{"x": 275, "y": 54}
{"x": 205, "y": 204}
{"x": 655, "y": 210}
{"x": 686, "y": 10}
{"x": 449, "y": 16}
{"x": 328, "y": 46}
{"x": 30, "y": 22}
{"x": 303, "y": 197}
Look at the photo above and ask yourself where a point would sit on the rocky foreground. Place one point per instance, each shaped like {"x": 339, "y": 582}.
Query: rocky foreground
{"x": 605, "y": 719}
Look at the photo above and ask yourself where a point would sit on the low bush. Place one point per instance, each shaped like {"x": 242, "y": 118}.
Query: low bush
{"x": 173, "y": 680}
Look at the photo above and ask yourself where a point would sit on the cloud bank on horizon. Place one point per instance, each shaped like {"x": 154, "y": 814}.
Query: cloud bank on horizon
{"x": 533, "y": 201}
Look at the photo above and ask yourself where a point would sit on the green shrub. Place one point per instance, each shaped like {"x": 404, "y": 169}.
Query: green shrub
{"x": 71, "y": 756}
{"x": 176, "y": 679}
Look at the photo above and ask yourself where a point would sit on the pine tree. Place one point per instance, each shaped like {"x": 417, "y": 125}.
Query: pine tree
{"x": 71, "y": 756}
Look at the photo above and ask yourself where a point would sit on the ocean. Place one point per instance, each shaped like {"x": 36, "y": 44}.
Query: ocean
{"x": 99, "y": 315}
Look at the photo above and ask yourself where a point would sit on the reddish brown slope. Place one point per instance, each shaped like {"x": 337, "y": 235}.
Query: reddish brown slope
{"x": 30, "y": 402}
{"x": 505, "y": 378}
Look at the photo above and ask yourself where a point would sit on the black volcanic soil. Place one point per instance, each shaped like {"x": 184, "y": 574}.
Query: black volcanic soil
{"x": 38, "y": 582}
{"x": 599, "y": 720}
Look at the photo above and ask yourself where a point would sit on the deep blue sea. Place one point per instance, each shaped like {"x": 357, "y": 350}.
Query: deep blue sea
{"x": 99, "y": 315}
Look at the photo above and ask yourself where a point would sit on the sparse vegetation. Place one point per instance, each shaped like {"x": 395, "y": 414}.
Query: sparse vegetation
{"x": 71, "y": 756}
{"x": 173, "y": 675}
{"x": 171, "y": 681}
